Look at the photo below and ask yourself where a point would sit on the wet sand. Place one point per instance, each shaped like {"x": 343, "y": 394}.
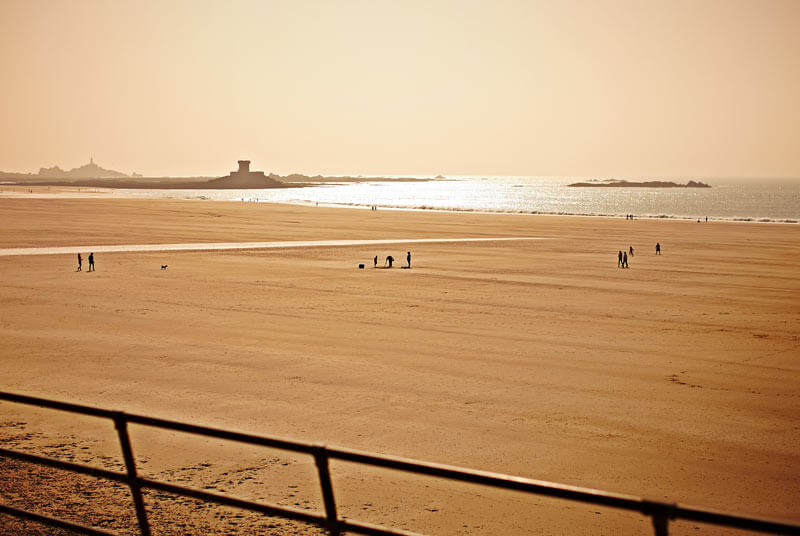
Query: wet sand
{"x": 675, "y": 379}
{"x": 204, "y": 246}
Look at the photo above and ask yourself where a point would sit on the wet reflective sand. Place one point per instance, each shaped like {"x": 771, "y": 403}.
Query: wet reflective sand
{"x": 242, "y": 245}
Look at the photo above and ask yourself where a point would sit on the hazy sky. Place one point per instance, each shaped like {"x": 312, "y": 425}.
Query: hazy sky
{"x": 579, "y": 88}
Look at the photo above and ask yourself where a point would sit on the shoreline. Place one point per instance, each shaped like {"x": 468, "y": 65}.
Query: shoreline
{"x": 109, "y": 193}
{"x": 529, "y": 213}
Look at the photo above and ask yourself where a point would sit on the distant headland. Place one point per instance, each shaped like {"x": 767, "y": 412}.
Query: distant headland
{"x": 617, "y": 183}
{"x": 92, "y": 175}
{"x": 86, "y": 171}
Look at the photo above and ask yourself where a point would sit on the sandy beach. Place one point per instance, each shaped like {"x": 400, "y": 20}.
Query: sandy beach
{"x": 676, "y": 379}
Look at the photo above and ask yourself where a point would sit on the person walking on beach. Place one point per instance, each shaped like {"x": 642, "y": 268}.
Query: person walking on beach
{"x": 658, "y": 248}
{"x": 630, "y": 250}
{"x": 375, "y": 262}
{"x": 390, "y": 260}
{"x": 79, "y": 263}
{"x": 408, "y": 258}
{"x": 625, "y": 260}
{"x": 619, "y": 259}
{"x": 91, "y": 262}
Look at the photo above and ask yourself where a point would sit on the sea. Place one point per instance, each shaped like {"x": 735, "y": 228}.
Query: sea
{"x": 752, "y": 201}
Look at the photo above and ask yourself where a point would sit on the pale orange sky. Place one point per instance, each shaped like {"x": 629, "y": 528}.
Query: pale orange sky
{"x": 697, "y": 88}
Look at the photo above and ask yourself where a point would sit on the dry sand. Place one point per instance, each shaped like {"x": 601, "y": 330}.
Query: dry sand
{"x": 676, "y": 379}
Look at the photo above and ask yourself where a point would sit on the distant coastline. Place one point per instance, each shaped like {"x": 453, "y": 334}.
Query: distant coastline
{"x": 616, "y": 183}
{"x": 94, "y": 176}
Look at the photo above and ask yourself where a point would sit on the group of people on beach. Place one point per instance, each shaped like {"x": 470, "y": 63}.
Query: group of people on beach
{"x": 622, "y": 256}
{"x": 390, "y": 260}
{"x": 628, "y": 216}
{"x": 91, "y": 262}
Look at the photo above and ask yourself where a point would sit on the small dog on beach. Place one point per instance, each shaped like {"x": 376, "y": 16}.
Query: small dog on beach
{"x": 163, "y": 266}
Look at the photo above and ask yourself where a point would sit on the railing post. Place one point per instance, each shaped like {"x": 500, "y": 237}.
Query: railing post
{"x": 660, "y": 525}
{"x": 321, "y": 459}
{"x": 121, "y": 424}
{"x": 661, "y": 513}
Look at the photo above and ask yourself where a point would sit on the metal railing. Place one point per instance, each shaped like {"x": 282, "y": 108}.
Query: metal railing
{"x": 661, "y": 513}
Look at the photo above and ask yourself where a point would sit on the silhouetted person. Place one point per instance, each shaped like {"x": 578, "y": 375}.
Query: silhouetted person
{"x": 390, "y": 260}
{"x": 408, "y": 258}
{"x": 375, "y": 262}
{"x": 658, "y": 248}
{"x": 91, "y": 262}
{"x": 79, "y": 263}
{"x": 619, "y": 259}
{"x": 630, "y": 251}
{"x": 625, "y": 260}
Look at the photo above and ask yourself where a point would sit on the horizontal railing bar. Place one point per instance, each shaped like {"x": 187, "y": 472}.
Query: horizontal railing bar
{"x": 480, "y": 477}
{"x": 274, "y": 442}
{"x": 53, "y": 404}
{"x": 66, "y": 466}
{"x": 586, "y": 495}
{"x": 52, "y": 521}
{"x": 628, "y": 502}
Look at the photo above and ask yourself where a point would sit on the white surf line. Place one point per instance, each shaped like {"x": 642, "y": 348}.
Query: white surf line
{"x": 200, "y": 246}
